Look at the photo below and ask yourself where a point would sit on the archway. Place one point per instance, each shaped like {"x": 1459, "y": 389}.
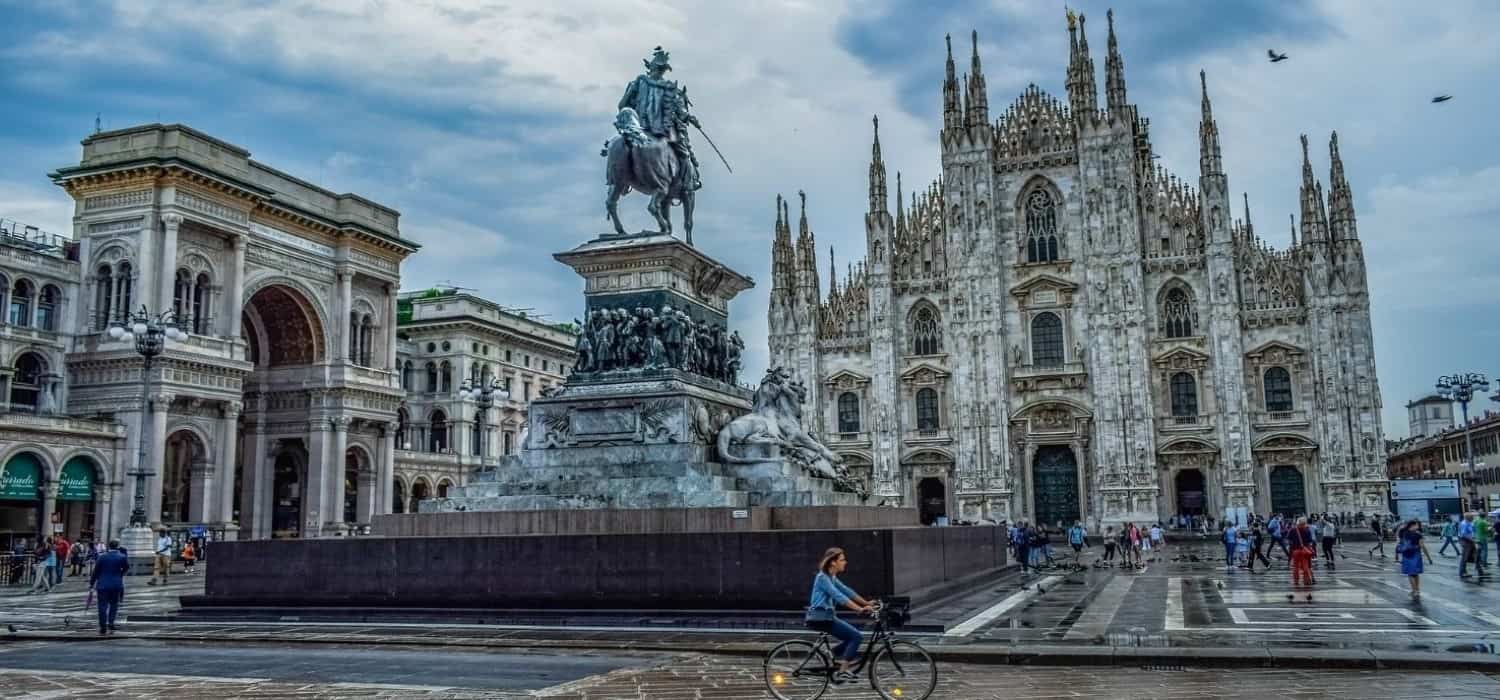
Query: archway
{"x": 184, "y": 456}
{"x": 1190, "y": 487}
{"x": 1288, "y": 493}
{"x": 354, "y": 465}
{"x": 286, "y": 491}
{"x": 419, "y": 491}
{"x": 398, "y": 496}
{"x": 443, "y": 486}
{"x": 1055, "y": 486}
{"x": 21, "y": 478}
{"x": 932, "y": 499}
{"x": 281, "y": 329}
{"x": 76, "y": 506}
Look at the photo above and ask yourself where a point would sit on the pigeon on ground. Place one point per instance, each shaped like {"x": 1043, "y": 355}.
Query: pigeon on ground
{"x": 1275, "y": 57}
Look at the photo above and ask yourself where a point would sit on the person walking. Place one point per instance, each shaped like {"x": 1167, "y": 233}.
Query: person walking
{"x": 1077, "y": 539}
{"x": 1109, "y": 545}
{"x": 1257, "y": 540}
{"x": 61, "y": 546}
{"x": 1378, "y": 529}
{"x": 108, "y": 582}
{"x": 1482, "y": 536}
{"x": 46, "y": 557}
{"x": 1410, "y": 549}
{"x": 1158, "y": 540}
{"x": 1450, "y": 529}
{"x": 1299, "y": 540}
{"x": 1230, "y": 537}
{"x": 1276, "y": 527}
{"x": 189, "y": 557}
{"x": 1466, "y": 544}
{"x": 1330, "y": 535}
{"x": 1022, "y": 541}
{"x": 161, "y": 564}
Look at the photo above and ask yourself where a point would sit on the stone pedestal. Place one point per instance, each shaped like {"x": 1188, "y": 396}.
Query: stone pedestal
{"x": 140, "y": 546}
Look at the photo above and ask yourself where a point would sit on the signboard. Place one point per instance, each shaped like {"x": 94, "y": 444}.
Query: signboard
{"x": 77, "y": 482}
{"x": 20, "y": 477}
{"x": 1423, "y": 489}
{"x": 1413, "y": 510}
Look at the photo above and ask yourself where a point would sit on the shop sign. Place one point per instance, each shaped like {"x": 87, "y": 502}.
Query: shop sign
{"x": 77, "y": 482}
{"x": 19, "y": 479}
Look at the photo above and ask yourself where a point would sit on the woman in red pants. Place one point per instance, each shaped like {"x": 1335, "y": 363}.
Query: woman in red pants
{"x": 1300, "y": 541}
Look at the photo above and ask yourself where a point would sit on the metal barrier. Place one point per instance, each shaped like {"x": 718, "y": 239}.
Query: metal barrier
{"x": 17, "y": 570}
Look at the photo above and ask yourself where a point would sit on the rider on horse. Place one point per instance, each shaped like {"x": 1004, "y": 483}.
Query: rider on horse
{"x": 662, "y": 108}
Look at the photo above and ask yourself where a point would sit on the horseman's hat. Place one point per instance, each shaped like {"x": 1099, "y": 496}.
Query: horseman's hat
{"x": 658, "y": 58}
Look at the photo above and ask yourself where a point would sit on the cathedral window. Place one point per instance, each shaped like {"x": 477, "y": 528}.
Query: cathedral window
{"x": 1047, "y": 340}
{"x": 927, "y": 411}
{"x": 1184, "y": 395}
{"x": 1177, "y": 314}
{"x": 848, "y": 412}
{"x": 927, "y": 337}
{"x": 1041, "y": 227}
{"x": 1278, "y": 390}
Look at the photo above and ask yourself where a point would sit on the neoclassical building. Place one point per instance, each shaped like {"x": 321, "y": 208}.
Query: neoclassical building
{"x": 277, "y": 415}
{"x": 1058, "y": 328}
{"x": 449, "y": 340}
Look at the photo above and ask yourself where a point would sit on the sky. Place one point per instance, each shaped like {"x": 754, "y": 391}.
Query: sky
{"x": 481, "y": 122}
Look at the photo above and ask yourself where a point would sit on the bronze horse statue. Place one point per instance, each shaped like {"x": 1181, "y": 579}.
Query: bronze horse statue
{"x": 636, "y": 160}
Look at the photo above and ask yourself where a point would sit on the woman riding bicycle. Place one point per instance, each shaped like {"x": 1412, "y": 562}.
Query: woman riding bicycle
{"x": 828, "y": 592}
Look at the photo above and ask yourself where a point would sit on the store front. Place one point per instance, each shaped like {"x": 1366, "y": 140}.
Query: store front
{"x": 75, "y": 513}
{"x": 20, "y": 500}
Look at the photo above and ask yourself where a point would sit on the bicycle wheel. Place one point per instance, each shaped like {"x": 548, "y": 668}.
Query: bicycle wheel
{"x": 797, "y": 670}
{"x": 903, "y": 671}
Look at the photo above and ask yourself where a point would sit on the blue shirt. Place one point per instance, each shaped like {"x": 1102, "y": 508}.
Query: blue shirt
{"x": 1466, "y": 530}
{"x": 109, "y": 572}
{"x": 828, "y": 592}
{"x": 1075, "y": 535}
{"x": 1275, "y": 527}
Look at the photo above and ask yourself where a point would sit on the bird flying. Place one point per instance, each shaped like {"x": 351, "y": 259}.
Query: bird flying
{"x": 1441, "y": 98}
{"x": 1275, "y": 57}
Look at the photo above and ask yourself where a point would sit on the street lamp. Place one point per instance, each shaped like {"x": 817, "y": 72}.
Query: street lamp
{"x": 484, "y": 398}
{"x": 1460, "y": 387}
{"x": 150, "y": 334}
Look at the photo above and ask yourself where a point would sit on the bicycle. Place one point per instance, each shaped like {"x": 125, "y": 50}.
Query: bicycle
{"x": 897, "y": 669}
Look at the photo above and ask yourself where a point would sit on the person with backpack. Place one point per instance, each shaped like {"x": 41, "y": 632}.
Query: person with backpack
{"x": 1257, "y": 541}
{"x": 1021, "y": 540}
{"x": 1330, "y": 535}
{"x": 1077, "y": 539}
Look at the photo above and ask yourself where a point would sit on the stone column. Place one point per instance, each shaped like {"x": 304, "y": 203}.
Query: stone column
{"x": 229, "y": 435}
{"x": 253, "y": 498}
{"x": 364, "y": 502}
{"x": 49, "y": 505}
{"x": 335, "y": 472}
{"x": 315, "y": 505}
{"x": 234, "y": 301}
{"x": 167, "y": 269}
{"x": 391, "y": 297}
{"x": 156, "y": 451}
{"x": 104, "y": 512}
{"x": 200, "y": 492}
{"x": 385, "y": 477}
{"x": 342, "y": 307}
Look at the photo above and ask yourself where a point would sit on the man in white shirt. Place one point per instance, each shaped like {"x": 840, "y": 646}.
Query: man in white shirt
{"x": 162, "y": 562}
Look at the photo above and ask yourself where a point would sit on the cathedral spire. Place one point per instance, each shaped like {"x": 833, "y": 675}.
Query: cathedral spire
{"x": 1114, "y": 70}
{"x": 1340, "y": 198}
{"x": 833, "y": 275}
{"x": 1083, "y": 93}
{"x": 953, "y": 116}
{"x": 1210, "y": 159}
{"x": 900, "y": 209}
{"x": 1314, "y": 224}
{"x": 977, "y": 112}
{"x": 877, "y": 173}
{"x": 1292, "y": 219}
{"x": 782, "y": 257}
{"x": 1249, "y": 227}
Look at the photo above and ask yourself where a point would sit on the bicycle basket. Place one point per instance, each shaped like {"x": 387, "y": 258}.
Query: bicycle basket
{"x": 897, "y": 611}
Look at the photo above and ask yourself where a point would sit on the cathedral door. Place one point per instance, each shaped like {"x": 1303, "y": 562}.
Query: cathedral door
{"x": 932, "y": 499}
{"x": 1189, "y": 483}
{"x": 1055, "y": 490}
{"x": 1287, "y": 494}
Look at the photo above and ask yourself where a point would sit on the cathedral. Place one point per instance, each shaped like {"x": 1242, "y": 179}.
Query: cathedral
{"x": 1058, "y": 329}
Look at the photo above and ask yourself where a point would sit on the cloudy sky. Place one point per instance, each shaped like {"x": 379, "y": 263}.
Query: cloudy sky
{"x": 481, "y": 121}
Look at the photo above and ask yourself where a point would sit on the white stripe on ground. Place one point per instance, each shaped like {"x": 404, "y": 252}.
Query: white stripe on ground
{"x": 1101, "y": 611}
{"x": 1453, "y": 606}
{"x": 992, "y": 613}
{"x": 1174, "y": 619}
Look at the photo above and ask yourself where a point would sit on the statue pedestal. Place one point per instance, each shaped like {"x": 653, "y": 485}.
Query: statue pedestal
{"x": 140, "y": 547}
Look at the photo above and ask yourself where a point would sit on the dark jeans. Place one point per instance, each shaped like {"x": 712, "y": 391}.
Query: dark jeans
{"x": 848, "y": 636}
{"x": 109, "y": 604}
{"x": 1328, "y": 549}
{"x": 1255, "y": 553}
{"x": 1023, "y": 555}
{"x": 1229, "y": 548}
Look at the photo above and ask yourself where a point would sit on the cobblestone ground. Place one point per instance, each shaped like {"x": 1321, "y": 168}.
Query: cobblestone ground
{"x": 701, "y": 677}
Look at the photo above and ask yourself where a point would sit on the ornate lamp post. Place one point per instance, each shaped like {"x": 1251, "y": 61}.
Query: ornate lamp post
{"x": 1460, "y": 387}
{"x": 484, "y": 398}
{"x": 150, "y": 334}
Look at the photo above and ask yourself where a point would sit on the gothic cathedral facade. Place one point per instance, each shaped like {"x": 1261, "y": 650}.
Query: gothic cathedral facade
{"x": 1057, "y": 329}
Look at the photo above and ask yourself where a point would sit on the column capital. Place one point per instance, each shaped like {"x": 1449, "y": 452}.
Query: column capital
{"x": 320, "y": 425}
{"x": 231, "y": 409}
{"x": 389, "y": 428}
{"x": 171, "y": 219}
{"x": 341, "y": 423}
{"x": 162, "y": 399}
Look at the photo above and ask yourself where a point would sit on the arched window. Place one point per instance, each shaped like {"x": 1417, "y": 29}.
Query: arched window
{"x": 485, "y": 374}
{"x": 104, "y": 297}
{"x": 182, "y": 298}
{"x": 406, "y": 372}
{"x": 1041, "y": 227}
{"x": 200, "y": 304}
{"x": 443, "y": 488}
{"x": 1278, "y": 390}
{"x": 20, "y": 303}
{"x": 474, "y": 374}
{"x": 1047, "y": 340}
{"x": 432, "y": 378}
{"x": 403, "y": 424}
{"x": 1177, "y": 314}
{"x": 46, "y": 308}
{"x": 926, "y": 335}
{"x": 848, "y": 412}
{"x": 437, "y": 434}
{"x": 927, "y": 410}
{"x": 353, "y": 337}
{"x": 124, "y": 290}
{"x": 1184, "y": 395}
{"x": 366, "y": 339}
{"x": 26, "y": 381}
{"x": 447, "y": 378}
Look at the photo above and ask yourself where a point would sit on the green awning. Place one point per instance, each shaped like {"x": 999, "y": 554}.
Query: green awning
{"x": 77, "y": 483}
{"x": 20, "y": 477}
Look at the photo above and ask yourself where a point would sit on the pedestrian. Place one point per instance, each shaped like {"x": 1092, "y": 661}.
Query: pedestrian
{"x": 77, "y": 556}
{"x": 189, "y": 557}
{"x": 1158, "y": 539}
{"x": 1230, "y": 537}
{"x": 46, "y": 557}
{"x": 1021, "y": 539}
{"x": 1077, "y": 539}
{"x": 61, "y": 546}
{"x": 108, "y": 582}
{"x": 1450, "y": 528}
{"x": 162, "y": 562}
{"x": 1466, "y": 544}
{"x": 1257, "y": 540}
{"x": 1482, "y": 536}
{"x": 1136, "y": 538}
{"x": 1330, "y": 534}
{"x": 1411, "y": 550}
{"x": 1299, "y": 540}
{"x": 1109, "y": 545}
{"x": 1041, "y": 545}
{"x": 1379, "y": 531}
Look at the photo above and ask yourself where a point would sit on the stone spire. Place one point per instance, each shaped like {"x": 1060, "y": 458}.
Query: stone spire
{"x": 1083, "y": 92}
{"x": 877, "y": 174}
{"x": 807, "y": 258}
{"x": 977, "y": 102}
{"x": 1114, "y": 70}
{"x": 833, "y": 275}
{"x": 900, "y": 209}
{"x": 1210, "y": 159}
{"x": 953, "y": 116}
{"x": 1292, "y": 220}
{"x": 1314, "y": 219}
{"x": 1340, "y": 198}
{"x": 782, "y": 256}
{"x": 1249, "y": 227}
